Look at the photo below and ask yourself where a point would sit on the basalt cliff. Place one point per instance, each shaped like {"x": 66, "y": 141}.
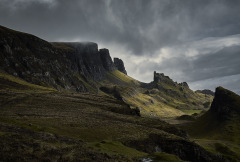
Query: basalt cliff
{"x": 64, "y": 66}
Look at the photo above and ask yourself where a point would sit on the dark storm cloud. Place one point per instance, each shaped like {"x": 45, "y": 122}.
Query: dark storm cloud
{"x": 148, "y": 34}
{"x": 142, "y": 26}
{"x": 200, "y": 67}
{"x": 222, "y": 63}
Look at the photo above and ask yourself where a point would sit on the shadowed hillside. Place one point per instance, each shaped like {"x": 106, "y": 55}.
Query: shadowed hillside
{"x": 218, "y": 129}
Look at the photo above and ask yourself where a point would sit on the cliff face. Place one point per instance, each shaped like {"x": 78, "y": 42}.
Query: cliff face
{"x": 107, "y": 60}
{"x": 120, "y": 65}
{"x": 60, "y": 65}
{"x": 86, "y": 59}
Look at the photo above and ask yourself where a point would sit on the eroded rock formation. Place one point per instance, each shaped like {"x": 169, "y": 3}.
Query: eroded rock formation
{"x": 120, "y": 65}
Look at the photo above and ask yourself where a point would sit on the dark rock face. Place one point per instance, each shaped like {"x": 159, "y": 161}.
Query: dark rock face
{"x": 87, "y": 60}
{"x": 206, "y": 91}
{"x": 225, "y": 103}
{"x": 60, "y": 65}
{"x": 106, "y": 60}
{"x": 158, "y": 77}
{"x": 184, "y": 84}
{"x": 120, "y": 65}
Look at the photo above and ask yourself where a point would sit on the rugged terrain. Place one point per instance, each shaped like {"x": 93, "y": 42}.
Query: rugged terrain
{"x": 65, "y": 101}
{"x": 42, "y": 123}
{"x": 81, "y": 67}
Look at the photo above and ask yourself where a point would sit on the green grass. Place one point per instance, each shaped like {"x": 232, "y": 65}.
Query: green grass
{"x": 217, "y": 135}
{"x": 77, "y": 116}
{"x": 229, "y": 149}
{"x": 159, "y": 104}
{"x": 115, "y": 147}
{"x": 83, "y": 117}
{"x": 149, "y": 106}
{"x": 164, "y": 157}
{"x": 99, "y": 121}
{"x": 119, "y": 77}
{"x": 20, "y": 82}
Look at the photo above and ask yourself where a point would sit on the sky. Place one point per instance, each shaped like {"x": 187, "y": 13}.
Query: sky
{"x": 197, "y": 41}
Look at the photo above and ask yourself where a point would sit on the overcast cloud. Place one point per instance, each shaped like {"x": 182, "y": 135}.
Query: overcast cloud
{"x": 195, "y": 41}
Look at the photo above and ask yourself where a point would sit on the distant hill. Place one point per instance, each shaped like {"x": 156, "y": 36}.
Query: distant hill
{"x": 206, "y": 91}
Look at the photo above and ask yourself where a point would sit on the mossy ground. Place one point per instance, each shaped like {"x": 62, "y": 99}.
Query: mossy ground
{"x": 217, "y": 136}
{"x": 113, "y": 147}
{"x": 9, "y": 82}
{"x": 42, "y": 116}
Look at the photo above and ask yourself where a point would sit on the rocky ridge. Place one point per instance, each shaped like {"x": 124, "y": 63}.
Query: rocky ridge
{"x": 206, "y": 91}
{"x": 64, "y": 66}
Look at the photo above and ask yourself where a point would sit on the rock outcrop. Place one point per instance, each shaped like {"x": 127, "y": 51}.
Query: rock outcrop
{"x": 206, "y": 91}
{"x": 107, "y": 60}
{"x": 158, "y": 77}
{"x": 165, "y": 87}
{"x": 120, "y": 65}
{"x": 225, "y": 104}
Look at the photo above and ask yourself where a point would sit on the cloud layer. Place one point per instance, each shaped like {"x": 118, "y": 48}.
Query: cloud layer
{"x": 188, "y": 40}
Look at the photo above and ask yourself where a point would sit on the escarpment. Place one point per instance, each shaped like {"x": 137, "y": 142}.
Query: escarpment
{"x": 70, "y": 66}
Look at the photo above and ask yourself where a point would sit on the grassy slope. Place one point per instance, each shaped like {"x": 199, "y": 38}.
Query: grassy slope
{"x": 134, "y": 96}
{"x": 48, "y": 125}
{"x": 217, "y": 135}
{"x": 151, "y": 105}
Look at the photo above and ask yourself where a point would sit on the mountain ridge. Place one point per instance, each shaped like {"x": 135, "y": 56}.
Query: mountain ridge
{"x": 53, "y": 64}
{"x": 59, "y": 92}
